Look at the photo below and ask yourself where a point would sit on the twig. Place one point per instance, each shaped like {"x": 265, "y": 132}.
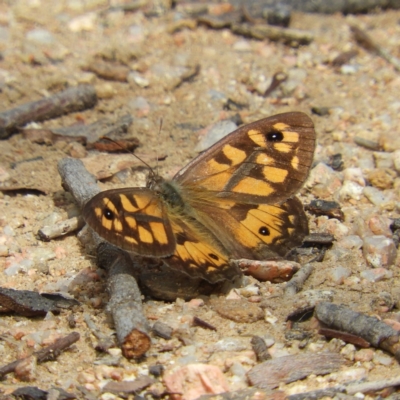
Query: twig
{"x": 62, "y": 228}
{"x": 374, "y": 386}
{"x": 70, "y": 100}
{"x": 298, "y": 280}
{"x": 48, "y": 353}
{"x": 293, "y": 37}
{"x": 364, "y": 40}
{"x": 369, "y": 328}
{"x": 125, "y": 303}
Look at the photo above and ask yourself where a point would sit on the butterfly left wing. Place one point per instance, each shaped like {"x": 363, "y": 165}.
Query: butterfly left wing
{"x": 134, "y": 219}
{"x": 266, "y": 161}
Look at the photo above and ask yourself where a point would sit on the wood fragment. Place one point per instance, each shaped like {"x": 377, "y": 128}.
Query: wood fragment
{"x": 290, "y": 36}
{"x": 346, "y": 337}
{"x": 260, "y": 348}
{"x": 29, "y": 303}
{"x": 298, "y": 280}
{"x": 323, "y": 207}
{"x": 129, "y": 386}
{"x": 200, "y": 322}
{"x": 277, "y": 79}
{"x": 369, "y": 328}
{"x": 125, "y": 304}
{"x": 46, "y": 354}
{"x": 270, "y": 374}
{"x": 344, "y": 58}
{"x": 367, "y": 387}
{"x": 109, "y": 127}
{"x": 319, "y": 394}
{"x": 105, "y": 342}
{"x": 162, "y": 330}
{"x": 70, "y": 100}
{"x": 364, "y": 40}
{"x": 62, "y": 228}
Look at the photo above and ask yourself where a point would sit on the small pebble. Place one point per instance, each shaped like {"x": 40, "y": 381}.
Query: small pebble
{"x": 339, "y": 274}
{"x": 214, "y": 133}
{"x": 396, "y": 160}
{"x": 232, "y": 344}
{"x": 348, "y": 352}
{"x": 383, "y": 160}
{"x": 382, "y": 178}
{"x": 138, "y": 79}
{"x": 379, "y": 251}
{"x": 376, "y": 196}
{"x": 376, "y": 275}
{"x": 40, "y": 36}
{"x": 382, "y": 358}
{"x": 364, "y": 355}
{"x": 351, "y": 242}
{"x": 323, "y": 181}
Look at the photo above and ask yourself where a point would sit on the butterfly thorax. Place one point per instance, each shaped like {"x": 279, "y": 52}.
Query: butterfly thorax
{"x": 169, "y": 192}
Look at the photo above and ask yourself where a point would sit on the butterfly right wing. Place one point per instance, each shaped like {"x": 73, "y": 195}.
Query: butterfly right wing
{"x": 134, "y": 219}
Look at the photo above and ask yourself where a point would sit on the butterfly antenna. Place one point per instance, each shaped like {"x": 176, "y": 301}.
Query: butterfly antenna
{"x": 159, "y": 133}
{"x": 134, "y": 155}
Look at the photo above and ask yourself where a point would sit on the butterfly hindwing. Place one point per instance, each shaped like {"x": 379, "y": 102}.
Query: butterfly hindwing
{"x": 133, "y": 219}
{"x": 265, "y": 161}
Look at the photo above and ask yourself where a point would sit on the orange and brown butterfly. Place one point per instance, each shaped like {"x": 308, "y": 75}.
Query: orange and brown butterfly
{"x": 235, "y": 200}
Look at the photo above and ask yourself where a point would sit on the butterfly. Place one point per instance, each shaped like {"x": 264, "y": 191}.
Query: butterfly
{"x": 235, "y": 200}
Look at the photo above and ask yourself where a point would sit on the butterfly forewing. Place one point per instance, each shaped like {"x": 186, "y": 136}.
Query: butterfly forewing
{"x": 266, "y": 161}
{"x": 133, "y": 219}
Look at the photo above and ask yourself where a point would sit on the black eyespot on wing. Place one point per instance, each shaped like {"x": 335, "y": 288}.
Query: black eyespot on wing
{"x": 274, "y": 136}
{"x": 108, "y": 214}
{"x": 264, "y": 231}
{"x": 213, "y": 256}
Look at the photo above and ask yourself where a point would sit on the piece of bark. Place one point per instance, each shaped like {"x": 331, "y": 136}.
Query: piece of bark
{"x": 48, "y": 136}
{"x": 277, "y": 79}
{"x": 70, "y": 100}
{"x": 324, "y": 207}
{"x": 128, "y": 386}
{"x": 270, "y": 374}
{"x": 62, "y": 228}
{"x": 162, "y": 330}
{"x": 28, "y": 303}
{"x": 46, "y": 354}
{"x": 298, "y": 280}
{"x": 110, "y": 127}
{"x": 320, "y": 394}
{"x": 290, "y": 36}
{"x": 34, "y": 393}
{"x": 369, "y": 328}
{"x": 346, "y": 337}
{"x": 374, "y": 386}
{"x": 203, "y": 324}
{"x": 260, "y": 348}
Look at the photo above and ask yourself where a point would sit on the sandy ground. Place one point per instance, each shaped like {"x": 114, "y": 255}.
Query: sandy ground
{"x": 363, "y": 100}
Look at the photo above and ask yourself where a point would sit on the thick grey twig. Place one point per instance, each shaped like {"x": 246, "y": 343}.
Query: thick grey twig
{"x": 297, "y": 282}
{"x": 70, "y": 100}
{"x": 369, "y": 328}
